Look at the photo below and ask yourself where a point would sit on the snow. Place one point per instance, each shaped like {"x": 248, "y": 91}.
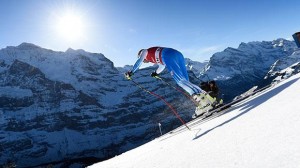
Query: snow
{"x": 260, "y": 132}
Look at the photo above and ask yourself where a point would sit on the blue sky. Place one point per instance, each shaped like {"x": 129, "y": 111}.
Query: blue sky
{"x": 120, "y": 28}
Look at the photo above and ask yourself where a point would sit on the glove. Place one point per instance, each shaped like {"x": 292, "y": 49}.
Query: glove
{"x": 128, "y": 75}
{"x": 154, "y": 75}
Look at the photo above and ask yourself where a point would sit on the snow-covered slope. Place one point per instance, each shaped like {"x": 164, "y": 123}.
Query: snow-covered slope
{"x": 260, "y": 132}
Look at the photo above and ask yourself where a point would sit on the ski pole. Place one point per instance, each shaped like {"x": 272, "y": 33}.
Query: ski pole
{"x": 161, "y": 98}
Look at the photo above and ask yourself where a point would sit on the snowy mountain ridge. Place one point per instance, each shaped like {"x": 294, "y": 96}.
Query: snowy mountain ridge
{"x": 248, "y": 64}
{"x": 59, "y": 66}
{"x": 248, "y": 58}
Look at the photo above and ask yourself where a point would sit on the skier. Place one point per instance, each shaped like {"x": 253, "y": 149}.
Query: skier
{"x": 174, "y": 61}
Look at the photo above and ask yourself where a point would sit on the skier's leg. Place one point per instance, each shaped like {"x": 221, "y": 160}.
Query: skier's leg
{"x": 175, "y": 63}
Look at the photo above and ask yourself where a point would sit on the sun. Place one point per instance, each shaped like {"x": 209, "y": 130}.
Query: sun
{"x": 70, "y": 26}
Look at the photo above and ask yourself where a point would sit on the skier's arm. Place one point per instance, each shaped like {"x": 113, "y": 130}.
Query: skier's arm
{"x": 160, "y": 68}
{"x": 139, "y": 62}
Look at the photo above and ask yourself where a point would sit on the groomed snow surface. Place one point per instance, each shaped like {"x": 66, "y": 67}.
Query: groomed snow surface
{"x": 260, "y": 132}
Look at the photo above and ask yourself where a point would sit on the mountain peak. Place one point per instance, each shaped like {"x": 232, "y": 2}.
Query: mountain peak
{"x": 72, "y": 51}
{"x": 25, "y": 45}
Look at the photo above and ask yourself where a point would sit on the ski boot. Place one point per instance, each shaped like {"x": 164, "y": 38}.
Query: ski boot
{"x": 206, "y": 104}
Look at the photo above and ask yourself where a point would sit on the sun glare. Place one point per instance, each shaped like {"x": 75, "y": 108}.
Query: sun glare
{"x": 70, "y": 26}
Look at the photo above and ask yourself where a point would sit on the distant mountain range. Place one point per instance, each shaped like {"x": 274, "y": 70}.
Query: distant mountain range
{"x": 237, "y": 70}
{"x": 76, "y": 107}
